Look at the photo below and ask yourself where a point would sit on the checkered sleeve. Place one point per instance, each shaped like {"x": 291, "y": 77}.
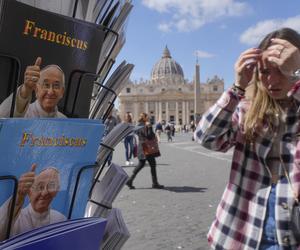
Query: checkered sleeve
{"x": 295, "y": 91}
{"x": 219, "y": 125}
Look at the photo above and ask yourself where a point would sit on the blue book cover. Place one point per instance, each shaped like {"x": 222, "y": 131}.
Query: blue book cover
{"x": 45, "y": 156}
{"x": 85, "y": 233}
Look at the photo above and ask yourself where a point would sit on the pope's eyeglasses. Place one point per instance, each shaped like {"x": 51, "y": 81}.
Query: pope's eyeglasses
{"x": 48, "y": 86}
{"x": 50, "y": 187}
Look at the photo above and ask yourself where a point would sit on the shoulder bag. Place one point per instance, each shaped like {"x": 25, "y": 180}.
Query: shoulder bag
{"x": 150, "y": 148}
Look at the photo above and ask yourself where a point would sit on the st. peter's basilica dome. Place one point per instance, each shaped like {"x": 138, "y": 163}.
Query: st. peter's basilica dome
{"x": 167, "y": 68}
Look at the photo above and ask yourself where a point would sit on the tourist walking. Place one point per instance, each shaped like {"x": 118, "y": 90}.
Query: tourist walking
{"x": 145, "y": 134}
{"x": 158, "y": 131}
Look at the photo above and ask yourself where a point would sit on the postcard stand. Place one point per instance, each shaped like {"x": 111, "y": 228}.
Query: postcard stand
{"x": 110, "y": 51}
{"x": 111, "y": 104}
{"x": 13, "y": 201}
{"x": 103, "y": 16}
{"x": 75, "y": 8}
{"x": 82, "y": 169}
{"x": 106, "y": 11}
{"x": 82, "y": 76}
{"x": 96, "y": 76}
{"x": 76, "y": 187}
{"x": 14, "y": 76}
{"x": 101, "y": 167}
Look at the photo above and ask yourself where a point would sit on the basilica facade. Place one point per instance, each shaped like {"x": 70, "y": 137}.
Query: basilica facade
{"x": 167, "y": 96}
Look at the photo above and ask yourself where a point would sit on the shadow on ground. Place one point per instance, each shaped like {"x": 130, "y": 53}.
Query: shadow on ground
{"x": 184, "y": 189}
{"x": 147, "y": 165}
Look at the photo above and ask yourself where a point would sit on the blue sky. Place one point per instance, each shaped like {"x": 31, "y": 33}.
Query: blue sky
{"x": 217, "y": 30}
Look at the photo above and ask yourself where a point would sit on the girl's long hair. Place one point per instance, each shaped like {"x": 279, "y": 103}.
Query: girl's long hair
{"x": 264, "y": 110}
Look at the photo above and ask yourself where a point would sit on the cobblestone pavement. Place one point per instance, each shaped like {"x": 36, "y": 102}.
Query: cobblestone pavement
{"x": 179, "y": 216}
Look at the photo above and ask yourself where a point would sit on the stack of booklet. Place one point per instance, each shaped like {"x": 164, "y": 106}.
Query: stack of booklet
{"x": 103, "y": 194}
{"x": 114, "y": 17}
{"x": 100, "y": 8}
{"x": 105, "y": 191}
{"x": 78, "y": 234}
{"x": 103, "y": 96}
{"x": 116, "y": 232}
{"x": 116, "y": 23}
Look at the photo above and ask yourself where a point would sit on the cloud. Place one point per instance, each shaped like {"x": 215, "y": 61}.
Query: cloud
{"x": 188, "y": 15}
{"x": 203, "y": 54}
{"x": 164, "y": 27}
{"x": 253, "y": 35}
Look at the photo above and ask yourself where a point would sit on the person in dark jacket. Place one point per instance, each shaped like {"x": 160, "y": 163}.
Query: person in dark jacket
{"x": 129, "y": 141}
{"x": 168, "y": 132}
{"x": 146, "y": 132}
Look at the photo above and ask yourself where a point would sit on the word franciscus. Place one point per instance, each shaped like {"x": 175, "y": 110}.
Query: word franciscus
{"x": 44, "y": 141}
{"x": 30, "y": 29}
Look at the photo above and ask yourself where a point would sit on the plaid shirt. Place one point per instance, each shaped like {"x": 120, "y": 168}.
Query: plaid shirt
{"x": 239, "y": 220}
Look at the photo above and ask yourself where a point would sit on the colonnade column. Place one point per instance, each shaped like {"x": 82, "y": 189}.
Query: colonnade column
{"x": 167, "y": 111}
{"x": 147, "y": 108}
{"x": 176, "y": 113}
{"x": 160, "y": 111}
{"x": 156, "y": 111}
{"x": 183, "y": 112}
{"x": 188, "y": 112}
